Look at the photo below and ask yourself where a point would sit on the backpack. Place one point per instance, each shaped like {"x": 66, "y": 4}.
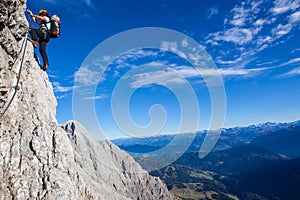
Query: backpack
{"x": 54, "y": 31}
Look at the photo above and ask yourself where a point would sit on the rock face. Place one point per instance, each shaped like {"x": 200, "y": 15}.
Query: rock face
{"x": 40, "y": 159}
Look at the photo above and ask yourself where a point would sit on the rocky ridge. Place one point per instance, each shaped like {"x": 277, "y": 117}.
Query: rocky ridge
{"x": 40, "y": 159}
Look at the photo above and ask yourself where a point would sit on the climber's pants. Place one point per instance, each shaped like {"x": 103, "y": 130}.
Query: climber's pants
{"x": 43, "y": 38}
{"x": 43, "y": 52}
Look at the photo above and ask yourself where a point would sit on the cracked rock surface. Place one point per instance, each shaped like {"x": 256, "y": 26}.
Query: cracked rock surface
{"x": 40, "y": 159}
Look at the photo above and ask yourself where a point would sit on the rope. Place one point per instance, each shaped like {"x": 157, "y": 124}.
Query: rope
{"x": 16, "y": 87}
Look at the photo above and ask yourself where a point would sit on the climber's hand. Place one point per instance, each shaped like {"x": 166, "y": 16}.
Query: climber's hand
{"x": 30, "y": 13}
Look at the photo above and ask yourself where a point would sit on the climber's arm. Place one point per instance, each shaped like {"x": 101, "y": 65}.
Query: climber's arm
{"x": 35, "y": 17}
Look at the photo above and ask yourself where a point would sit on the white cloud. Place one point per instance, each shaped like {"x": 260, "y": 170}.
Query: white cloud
{"x": 292, "y": 61}
{"x": 53, "y": 76}
{"x": 212, "y": 12}
{"x": 229, "y": 62}
{"x": 58, "y": 88}
{"x": 196, "y": 57}
{"x": 173, "y": 47}
{"x": 283, "y": 6}
{"x": 267, "y": 63}
{"x": 242, "y": 72}
{"x": 233, "y": 72}
{"x": 162, "y": 77}
{"x": 244, "y": 13}
{"x": 184, "y": 43}
{"x": 212, "y": 42}
{"x": 177, "y": 75}
{"x": 295, "y": 17}
{"x": 99, "y": 63}
{"x": 87, "y": 76}
{"x": 61, "y": 96}
{"x": 169, "y": 46}
{"x": 260, "y": 22}
{"x": 249, "y": 28}
{"x": 238, "y": 22}
{"x": 124, "y": 60}
{"x": 235, "y": 35}
{"x": 136, "y": 54}
{"x": 158, "y": 63}
{"x": 98, "y": 97}
{"x": 239, "y": 16}
{"x": 281, "y": 30}
{"x": 108, "y": 58}
{"x": 264, "y": 39}
{"x": 264, "y": 42}
{"x": 142, "y": 53}
{"x": 295, "y": 50}
{"x": 293, "y": 72}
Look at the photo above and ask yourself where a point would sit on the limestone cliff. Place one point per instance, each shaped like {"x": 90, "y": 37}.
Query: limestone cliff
{"x": 40, "y": 159}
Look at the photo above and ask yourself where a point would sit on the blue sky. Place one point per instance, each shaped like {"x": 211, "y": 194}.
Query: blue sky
{"x": 254, "y": 44}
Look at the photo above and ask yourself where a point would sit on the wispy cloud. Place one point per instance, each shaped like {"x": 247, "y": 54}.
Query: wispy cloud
{"x": 212, "y": 12}
{"x": 295, "y": 50}
{"x": 125, "y": 60}
{"x": 236, "y": 72}
{"x": 53, "y": 76}
{"x": 283, "y": 6}
{"x": 86, "y": 76}
{"x": 229, "y": 62}
{"x": 292, "y": 61}
{"x": 235, "y": 35}
{"x": 293, "y": 72}
{"x": 241, "y": 26}
{"x": 267, "y": 63}
{"x": 295, "y": 17}
{"x": 249, "y": 28}
{"x": 281, "y": 30}
{"x": 98, "y": 97}
{"x": 61, "y": 89}
{"x": 177, "y": 74}
{"x": 173, "y": 47}
{"x": 162, "y": 77}
{"x": 62, "y": 96}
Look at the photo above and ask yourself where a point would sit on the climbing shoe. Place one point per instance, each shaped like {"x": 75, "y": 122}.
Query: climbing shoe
{"x": 45, "y": 67}
{"x": 35, "y": 43}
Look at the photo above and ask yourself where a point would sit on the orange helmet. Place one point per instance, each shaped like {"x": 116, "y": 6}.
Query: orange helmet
{"x": 43, "y": 11}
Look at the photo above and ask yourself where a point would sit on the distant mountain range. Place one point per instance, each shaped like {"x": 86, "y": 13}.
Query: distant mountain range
{"x": 255, "y": 162}
{"x": 229, "y": 138}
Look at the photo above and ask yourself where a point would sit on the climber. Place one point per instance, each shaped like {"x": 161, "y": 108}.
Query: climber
{"x": 40, "y": 37}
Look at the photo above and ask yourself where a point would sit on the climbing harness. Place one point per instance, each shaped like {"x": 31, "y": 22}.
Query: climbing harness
{"x": 16, "y": 87}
